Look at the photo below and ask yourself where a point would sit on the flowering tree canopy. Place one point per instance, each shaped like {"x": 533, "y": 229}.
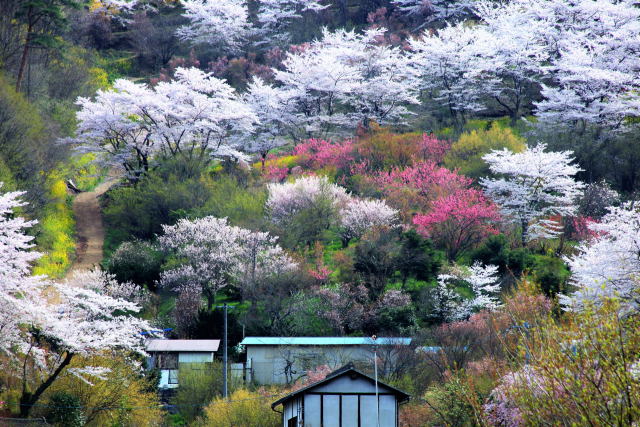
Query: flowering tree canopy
{"x": 534, "y": 184}
{"x": 287, "y": 199}
{"x": 53, "y": 322}
{"x": 341, "y": 80}
{"x": 483, "y": 282}
{"x": 216, "y": 22}
{"x": 459, "y": 221}
{"x": 191, "y": 115}
{"x": 275, "y": 15}
{"x": 359, "y": 216}
{"x": 608, "y": 266}
{"x": 216, "y": 254}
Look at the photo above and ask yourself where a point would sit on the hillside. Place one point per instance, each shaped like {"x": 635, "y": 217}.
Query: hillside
{"x": 463, "y": 174}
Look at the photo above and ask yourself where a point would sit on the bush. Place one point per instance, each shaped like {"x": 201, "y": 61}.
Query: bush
{"x": 176, "y": 191}
{"x": 112, "y": 398}
{"x": 244, "y": 408}
{"x": 199, "y": 384}
{"x": 466, "y": 153}
{"x": 136, "y": 262}
{"x": 383, "y": 149}
{"x": 578, "y": 370}
{"x": 66, "y": 410}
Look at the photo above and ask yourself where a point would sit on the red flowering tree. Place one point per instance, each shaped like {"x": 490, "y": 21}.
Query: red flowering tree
{"x": 459, "y": 221}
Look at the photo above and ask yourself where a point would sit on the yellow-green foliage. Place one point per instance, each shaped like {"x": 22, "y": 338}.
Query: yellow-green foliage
{"x": 55, "y": 230}
{"x": 586, "y": 362}
{"x": 129, "y": 397}
{"x": 384, "y": 149}
{"x": 466, "y": 153}
{"x": 279, "y": 162}
{"x": 244, "y": 409}
{"x": 86, "y": 175}
{"x": 56, "y": 224}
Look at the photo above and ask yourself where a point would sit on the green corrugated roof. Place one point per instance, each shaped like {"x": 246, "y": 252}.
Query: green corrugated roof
{"x": 325, "y": 341}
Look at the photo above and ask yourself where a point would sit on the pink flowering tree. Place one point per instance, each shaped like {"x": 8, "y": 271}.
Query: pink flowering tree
{"x": 318, "y": 154}
{"x": 414, "y": 188}
{"x": 459, "y": 221}
{"x": 434, "y": 149}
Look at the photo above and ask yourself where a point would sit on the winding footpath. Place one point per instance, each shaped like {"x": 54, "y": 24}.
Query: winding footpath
{"x": 89, "y": 227}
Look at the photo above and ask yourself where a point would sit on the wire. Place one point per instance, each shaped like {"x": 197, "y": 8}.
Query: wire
{"x": 134, "y": 408}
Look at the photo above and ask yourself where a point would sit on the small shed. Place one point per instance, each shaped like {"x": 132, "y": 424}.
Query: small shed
{"x": 345, "y": 398}
{"x": 167, "y": 355}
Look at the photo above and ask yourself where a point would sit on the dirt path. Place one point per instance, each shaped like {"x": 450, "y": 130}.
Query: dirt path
{"x": 89, "y": 227}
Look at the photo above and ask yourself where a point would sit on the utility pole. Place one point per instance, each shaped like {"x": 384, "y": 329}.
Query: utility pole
{"x": 375, "y": 369}
{"x": 225, "y": 358}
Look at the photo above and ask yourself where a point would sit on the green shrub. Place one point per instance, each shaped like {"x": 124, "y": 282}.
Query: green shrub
{"x": 65, "y": 410}
{"x": 176, "y": 191}
{"x": 199, "y": 384}
{"x": 244, "y": 408}
{"x": 466, "y": 153}
{"x": 136, "y": 262}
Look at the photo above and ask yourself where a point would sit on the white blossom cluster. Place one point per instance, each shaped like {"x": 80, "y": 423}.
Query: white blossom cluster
{"x": 533, "y": 185}
{"x": 608, "y": 266}
{"x": 131, "y": 123}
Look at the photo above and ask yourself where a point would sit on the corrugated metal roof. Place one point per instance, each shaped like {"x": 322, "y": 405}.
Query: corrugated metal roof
{"x": 183, "y": 345}
{"x": 324, "y": 341}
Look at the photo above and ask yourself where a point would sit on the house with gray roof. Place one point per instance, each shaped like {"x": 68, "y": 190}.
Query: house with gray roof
{"x": 169, "y": 355}
{"x": 346, "y": 398}
{"x": 283, "y": 360}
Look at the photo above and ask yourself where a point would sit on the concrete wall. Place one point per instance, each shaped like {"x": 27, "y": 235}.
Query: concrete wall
{"x": 269, "y": 363}
{"x": 343, "y": 402}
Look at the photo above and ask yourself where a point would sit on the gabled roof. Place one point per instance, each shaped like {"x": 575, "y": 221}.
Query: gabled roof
{"x": 345, "y": 370}
{"x": 183, "y": 345}
{"x": 325, "y": 341}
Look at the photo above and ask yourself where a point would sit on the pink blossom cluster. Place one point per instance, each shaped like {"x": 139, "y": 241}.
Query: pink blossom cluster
{"x": 459, "y": 220}
{"x": 434, "y": 149}
{"x": 427, "y": 177}
{"x": 318, "y": 154}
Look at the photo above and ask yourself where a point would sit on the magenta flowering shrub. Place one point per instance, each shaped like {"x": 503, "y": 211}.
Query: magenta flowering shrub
{"x": 319, "y": 154}
{"x": 459, "y": 221}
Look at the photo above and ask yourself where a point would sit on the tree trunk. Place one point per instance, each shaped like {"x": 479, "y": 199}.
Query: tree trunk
{"x": 28, "y": 400}
{"x": 25, "y": 51}
{"x": 23, "y": 63}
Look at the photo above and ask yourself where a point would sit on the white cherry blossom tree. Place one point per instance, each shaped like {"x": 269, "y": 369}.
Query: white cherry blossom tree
{"x": 44, "y": 325}
{"x": 342, "y": 80}
{"x": 193, "y": 116}
{"x": 269, "y": 105}
{"x": 608, "y": 266}
{"x": 275, "y": 17}
{"x": 359, "y": 216}
{"x": 287, "y": 199}
{"x": 483, "y": 282}
{"x": 448, "y": 65}
{"x": 223, "y": 24}
{"x": 215, "y": 254}
{"x": 531, "y": 186}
